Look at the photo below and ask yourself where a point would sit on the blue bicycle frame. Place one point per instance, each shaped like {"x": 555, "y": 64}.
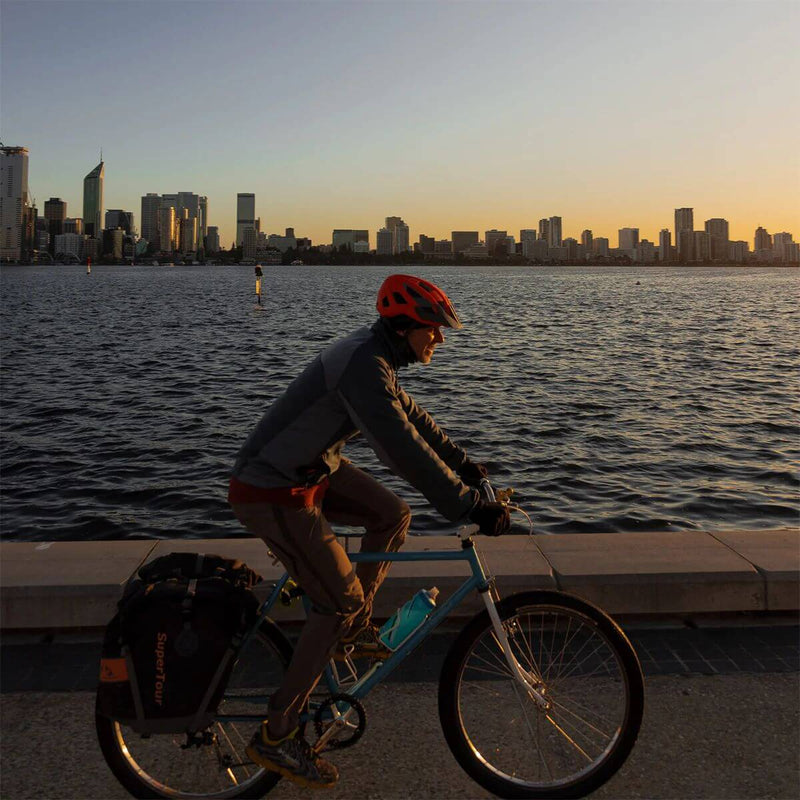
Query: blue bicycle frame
{"x": 379, "y": 670}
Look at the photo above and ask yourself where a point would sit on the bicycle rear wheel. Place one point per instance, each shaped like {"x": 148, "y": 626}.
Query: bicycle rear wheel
{"x": 215, "y": 765}
{"x": 591, "y": 681}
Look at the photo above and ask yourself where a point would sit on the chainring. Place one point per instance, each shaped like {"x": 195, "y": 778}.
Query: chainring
{"x": 321, "y": 724}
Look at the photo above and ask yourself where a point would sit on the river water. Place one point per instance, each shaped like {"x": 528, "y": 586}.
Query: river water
{"x": 612, "y": 399}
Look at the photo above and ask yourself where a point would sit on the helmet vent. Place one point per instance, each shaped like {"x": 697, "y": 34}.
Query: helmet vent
{"x": 398, "y": 298}
{"x": 413, "y": 292}
{"x": 426, "y": 286}
{"x": 385, "y": 302}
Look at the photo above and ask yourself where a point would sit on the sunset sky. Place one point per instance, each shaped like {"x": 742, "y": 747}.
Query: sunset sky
{"x": 452, "y": 115}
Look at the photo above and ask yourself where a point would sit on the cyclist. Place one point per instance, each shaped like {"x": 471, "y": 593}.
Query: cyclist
{"x": 290, "y": 481}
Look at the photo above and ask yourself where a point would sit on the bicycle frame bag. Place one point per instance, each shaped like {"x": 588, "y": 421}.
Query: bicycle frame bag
{"x": 168, "y": 652}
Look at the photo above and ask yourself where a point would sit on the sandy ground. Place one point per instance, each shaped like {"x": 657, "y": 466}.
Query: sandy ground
{"x": 730, "y": 737}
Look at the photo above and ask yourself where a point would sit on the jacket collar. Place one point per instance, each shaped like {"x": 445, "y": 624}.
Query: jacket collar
{"x": 398, "y": 348}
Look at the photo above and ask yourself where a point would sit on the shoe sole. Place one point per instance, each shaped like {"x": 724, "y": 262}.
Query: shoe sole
{"x": 285, "y": 772}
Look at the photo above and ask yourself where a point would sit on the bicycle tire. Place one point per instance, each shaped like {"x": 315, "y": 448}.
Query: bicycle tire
{"x": 539, "y": 626}
{"x": 158, "y": 767}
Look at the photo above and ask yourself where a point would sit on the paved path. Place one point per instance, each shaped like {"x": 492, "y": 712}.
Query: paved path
{"x": 719, "y": 736}
{"x": 722, "y": 721}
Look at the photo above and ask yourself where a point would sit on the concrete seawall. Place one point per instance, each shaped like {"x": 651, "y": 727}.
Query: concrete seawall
{"x": 64, "y": 585}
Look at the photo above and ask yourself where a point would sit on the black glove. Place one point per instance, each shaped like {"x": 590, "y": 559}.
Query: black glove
{"x": 471, "y": 473}
{"x": 492, "y": 518}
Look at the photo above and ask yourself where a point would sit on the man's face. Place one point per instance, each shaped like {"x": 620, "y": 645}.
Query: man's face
{"x": 423, "y": 342}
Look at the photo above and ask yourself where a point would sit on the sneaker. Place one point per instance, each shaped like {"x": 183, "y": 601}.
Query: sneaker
{"x": 292, "y": 758}
{"x": 364, "y": 643}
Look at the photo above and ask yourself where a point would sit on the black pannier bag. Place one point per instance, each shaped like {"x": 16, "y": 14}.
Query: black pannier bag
{"x": 168, "y": 652}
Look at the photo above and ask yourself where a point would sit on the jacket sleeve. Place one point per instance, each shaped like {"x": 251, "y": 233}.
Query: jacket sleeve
{"x": 370, "y": 395}
{"x": 444, "y": 447}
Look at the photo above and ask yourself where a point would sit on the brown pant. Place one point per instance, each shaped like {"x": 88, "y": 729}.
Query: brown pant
{"x": 341, "y": 597}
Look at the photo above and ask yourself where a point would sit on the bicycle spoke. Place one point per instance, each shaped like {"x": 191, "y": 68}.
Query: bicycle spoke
{"x": 584, "y": 687}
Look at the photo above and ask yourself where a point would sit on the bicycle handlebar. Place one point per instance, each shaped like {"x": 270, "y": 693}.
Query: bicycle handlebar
{"x": 491, "y": 495}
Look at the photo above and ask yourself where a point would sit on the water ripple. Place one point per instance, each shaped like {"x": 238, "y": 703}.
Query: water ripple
{"x": 614, "y": 399}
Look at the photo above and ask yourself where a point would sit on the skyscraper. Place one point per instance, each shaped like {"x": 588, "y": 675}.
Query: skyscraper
{"x": 384, "y": 242}
{"x": 628, "y": 239}
{"x": 665, "y": 246}
{"x": 718, "y": 238}
{"x": 212, "y": 239}
{"x": 702, "y": 251}
{"x": 55, "y": 214}
{"x": 117, "y": 218}
{"x": 151, "y": 202}
{"x": 93, "y": 201}
{"x": 544, "y": 229}
{"x": 400, "y": 234}
{"x": 245, "y": 215}
{"x": 14, "y": 206}
{"x": 554, "y": 232}
{"x": 586, "y": 240}
{"x": 763, "y": 241}
{"x": 684, "y": 221}
{"x": 166, "y": 229}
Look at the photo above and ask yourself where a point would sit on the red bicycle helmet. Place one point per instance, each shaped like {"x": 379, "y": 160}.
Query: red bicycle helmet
{"x": 405, "y": 295}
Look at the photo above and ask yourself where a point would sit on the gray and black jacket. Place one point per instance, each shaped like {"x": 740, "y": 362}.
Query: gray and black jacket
{"x": 352, "y": 387}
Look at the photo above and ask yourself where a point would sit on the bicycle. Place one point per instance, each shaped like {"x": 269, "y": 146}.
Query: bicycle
{"x": 564, "y": 682}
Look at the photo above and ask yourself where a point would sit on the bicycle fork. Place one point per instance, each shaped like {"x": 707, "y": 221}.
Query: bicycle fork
{"x": 530, "y": 683}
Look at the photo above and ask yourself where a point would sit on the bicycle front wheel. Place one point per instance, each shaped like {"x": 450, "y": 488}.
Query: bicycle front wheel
{"x": 591, "y": 690}
{"x": 212, "y": 763}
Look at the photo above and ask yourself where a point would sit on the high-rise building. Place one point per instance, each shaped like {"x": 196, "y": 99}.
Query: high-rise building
{"x": 73, "y": 225}
{"x": 645, "y": 252}
{"x": 212, "y": 239}
{"x": 685, "y": 244}
{"x": 55, "y": 212}
{"x": 586, "y": 240}
{"x": 93, "y": 201}
{"x": 187, "y": 232}
{"x": 14, "y": 206}
{"x": 702, "y": 250}
{"x": 763, "y": 241}
{"x": 245, "y": 215}
{"x": 400, "y": 234}
{"x": 628, "y": 239}
{"x": 355, "y": 240}
{"x": 492, "y": 238}
{"x": 117, "y": 218}
{"x": 781, "y": 245}
{"x": 166, "y": 229}
{"x": 684, "y": 221}
{"x": 151, "y": 203}
{"x": 718, "y": 238}
{"x": 600, "y": 246}
{"x": 113, "y": 239}
{"x": 571, "y": 246}
{"x": 384, "y": 243}
{"x": 528, "y": 238}
{"x": 463, "y": 240}
{"x": 737, "y": 252}
{"x": 544, "y": 229}
{"x": 202, "y": 223}
{"x": 426, "y": 245}
{"x": 665, "y": 246}
{"x": 554, "y": 232}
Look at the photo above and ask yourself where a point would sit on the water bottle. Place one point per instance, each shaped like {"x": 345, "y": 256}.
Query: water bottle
{"x": 408, "y": 618}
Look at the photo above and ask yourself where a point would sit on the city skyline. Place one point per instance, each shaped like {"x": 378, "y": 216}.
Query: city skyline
{"x": 611, "y": 116}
